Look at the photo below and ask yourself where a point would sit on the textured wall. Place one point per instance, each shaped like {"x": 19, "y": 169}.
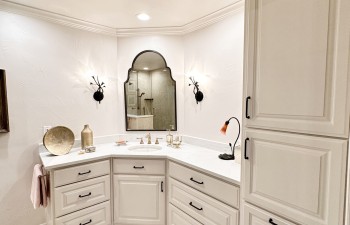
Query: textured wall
{"x": 214, "y": 56}
{"x": 48, "y": 68}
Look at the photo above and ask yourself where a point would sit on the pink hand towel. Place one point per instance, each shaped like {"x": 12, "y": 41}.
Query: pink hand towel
{"x": 38, "y": 193}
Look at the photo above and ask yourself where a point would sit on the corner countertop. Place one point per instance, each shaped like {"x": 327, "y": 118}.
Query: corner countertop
{"x": 200, "y": 158}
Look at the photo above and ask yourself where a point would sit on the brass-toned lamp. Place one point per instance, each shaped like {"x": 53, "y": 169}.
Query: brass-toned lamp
{"x": 223, "y": 131}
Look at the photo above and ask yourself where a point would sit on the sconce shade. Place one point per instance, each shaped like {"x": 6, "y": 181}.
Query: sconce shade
{"x": 199, "y": 96}
{"x": 224, "y": 128}
{"x": 98, "y": 96}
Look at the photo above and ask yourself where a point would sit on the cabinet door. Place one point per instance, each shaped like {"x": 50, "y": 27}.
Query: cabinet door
{"x": 139, "y": 199}
{"x": 298, "y": 177}
{"x": 297, "y": 66}
{"x": 178, "y": 217}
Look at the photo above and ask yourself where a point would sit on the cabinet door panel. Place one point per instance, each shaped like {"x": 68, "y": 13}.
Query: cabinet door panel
{"x": 296, "y": 69}
{"x": 139, "y": 199}
{"x": 296, "y": 176}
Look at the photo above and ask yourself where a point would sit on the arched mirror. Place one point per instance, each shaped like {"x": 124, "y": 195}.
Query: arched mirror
{"x": 150, "y": 94}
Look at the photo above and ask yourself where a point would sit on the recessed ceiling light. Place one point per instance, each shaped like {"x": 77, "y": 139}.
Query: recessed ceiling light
{"x": 145, "y": 68}
{"x": 143, "y": 16}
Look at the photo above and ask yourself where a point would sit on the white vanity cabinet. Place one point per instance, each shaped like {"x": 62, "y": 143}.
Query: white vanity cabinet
{"x": 139, "y": 191}
{"x": 81, "y": 195}
{"x": 195, "y": 197}
{"x": 297, "y": 65}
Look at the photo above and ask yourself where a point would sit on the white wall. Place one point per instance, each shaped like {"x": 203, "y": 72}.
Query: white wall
{"x": 48, "y": 74}
{"x": 172, "y": 49}
{"x": 214, "y": 56}
{"x": 47, "y": 68}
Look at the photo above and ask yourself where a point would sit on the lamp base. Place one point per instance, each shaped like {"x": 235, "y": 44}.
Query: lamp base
{"x": 226, "y": 157}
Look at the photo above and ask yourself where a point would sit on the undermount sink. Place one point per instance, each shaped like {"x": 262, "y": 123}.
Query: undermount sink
{"x": 145, "y": 148}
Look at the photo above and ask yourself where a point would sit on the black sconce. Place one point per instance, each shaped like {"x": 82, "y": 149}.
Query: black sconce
{"x": 223, "y": 131}
{"x": 198, "y": 95}
{"x": 98, "y": 95}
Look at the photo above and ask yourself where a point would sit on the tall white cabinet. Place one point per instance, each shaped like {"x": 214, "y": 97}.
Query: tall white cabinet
{"x": 296, "y": 66}
{"x": 296, "y": 125}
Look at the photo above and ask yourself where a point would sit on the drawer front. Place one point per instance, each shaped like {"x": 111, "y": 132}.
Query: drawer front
{"x": 98, "y": 214}
{"x": 139, "y": 166}
{"x": 256, "y": 216}
{"x": 178, "y": 217}
{"x": 81, "y": 172}
{"x": 203, "y": 208}
{"x": 80, "y": 195}
{"x": 221, "y": 190}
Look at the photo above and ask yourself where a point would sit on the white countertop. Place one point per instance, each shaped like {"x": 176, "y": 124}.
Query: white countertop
{"x": 200, "y": 158}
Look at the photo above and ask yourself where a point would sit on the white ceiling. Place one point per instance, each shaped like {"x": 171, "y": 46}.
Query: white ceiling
{"x": 121, "y": 14}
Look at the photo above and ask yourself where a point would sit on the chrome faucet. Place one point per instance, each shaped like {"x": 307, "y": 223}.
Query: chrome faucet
{"x": 149, "y": 138}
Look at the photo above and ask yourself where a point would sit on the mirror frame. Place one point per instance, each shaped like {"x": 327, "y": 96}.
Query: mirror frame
{"x": 127, "y": 80}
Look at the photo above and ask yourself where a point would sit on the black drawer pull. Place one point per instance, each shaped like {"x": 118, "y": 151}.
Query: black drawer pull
{"x": 85, "y": 223}
{"x": 161, "y": 187}
{"x": 85, "y": 172}
{"x": 196, "y": 181}
{"x": 139, "y": 167}
{"x": 83, "y": 196}
{"x": 195, "y": 206}
{"x": 246, "y": 107}
{"x": 245, "y": 148}
{"x": 271, "y": 221}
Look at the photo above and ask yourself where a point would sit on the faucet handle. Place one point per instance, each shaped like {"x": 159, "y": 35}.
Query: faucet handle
{"x": 157, "y": 142}
{"x": 141, "y": 142}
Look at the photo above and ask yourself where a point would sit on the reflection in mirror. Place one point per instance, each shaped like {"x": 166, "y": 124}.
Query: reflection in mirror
{"x": 150, "y": 94}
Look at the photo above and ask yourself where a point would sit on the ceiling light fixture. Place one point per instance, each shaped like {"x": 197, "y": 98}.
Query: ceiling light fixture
{"x": 143, "y": 16}
{"x": 145, "y": 68}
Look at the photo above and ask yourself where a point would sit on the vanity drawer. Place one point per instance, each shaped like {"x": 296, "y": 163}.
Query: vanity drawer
{"x": 203, "y": 208}
{"x": 254, "y": 215}
{"x": 81, "y": 172}
{"x": 221, "y": 190}
{"x": 70, "y": 198}
{"x": 178, "y": 217}
{"x": 98, "y": 214}
{"x": 139, "y": 166}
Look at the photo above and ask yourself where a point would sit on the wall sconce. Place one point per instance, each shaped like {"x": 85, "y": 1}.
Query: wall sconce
{"x": 198, "y": 95}
{"x": 223, "y": 131}
{"x": 98, "y": 95}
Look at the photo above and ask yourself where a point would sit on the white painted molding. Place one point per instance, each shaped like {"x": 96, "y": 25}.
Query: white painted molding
{"x": 55, "y": 18}
{"x": 205, "y": 21}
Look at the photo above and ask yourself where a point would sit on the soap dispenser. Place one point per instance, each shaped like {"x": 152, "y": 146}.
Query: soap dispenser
{"x": 169, "y": 137}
